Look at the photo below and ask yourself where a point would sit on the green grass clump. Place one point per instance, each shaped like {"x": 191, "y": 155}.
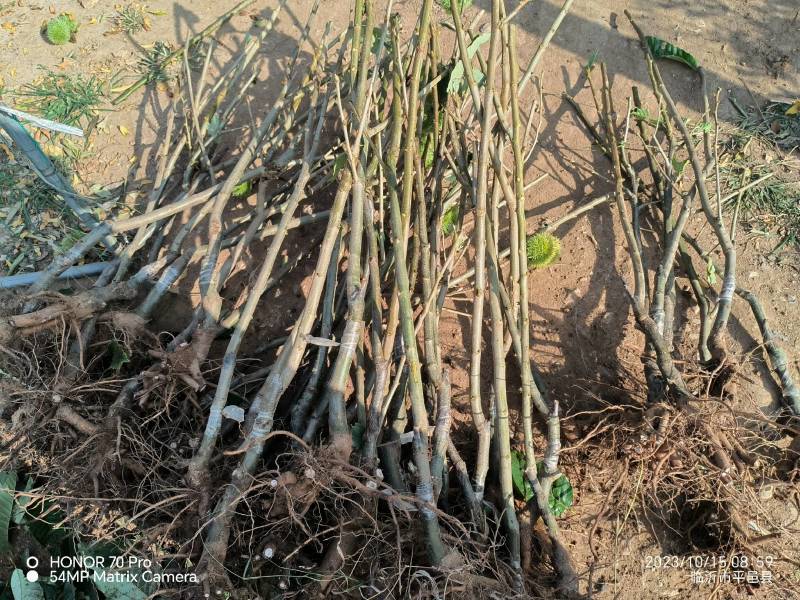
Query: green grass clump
{"x": 770, "y": 205}
{"x": 33, "y": 216}
{"x": 67, "y": 99}
{"x": 543, "y": 250}
{"x": 771, "y": 122}
{"x": 131, "y": 19}
{"x": 151, "y": 64}
{"x": 61, "y": 29}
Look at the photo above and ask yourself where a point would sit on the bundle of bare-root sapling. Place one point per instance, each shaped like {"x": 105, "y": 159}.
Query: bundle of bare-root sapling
{"x": 334, "y": 439}
{"x": 705, "y": 454}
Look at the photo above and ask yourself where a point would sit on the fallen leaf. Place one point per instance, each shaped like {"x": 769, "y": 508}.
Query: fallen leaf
{"x": 794, "y": 109}
{"x": 10, "y": 27}
{"x": 123, "y": 130}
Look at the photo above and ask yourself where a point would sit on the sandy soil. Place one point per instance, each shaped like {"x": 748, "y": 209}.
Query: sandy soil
{"x": 585, "y": 342}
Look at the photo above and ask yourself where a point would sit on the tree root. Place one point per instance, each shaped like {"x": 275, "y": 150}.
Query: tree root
{"x": 64, "y": 308}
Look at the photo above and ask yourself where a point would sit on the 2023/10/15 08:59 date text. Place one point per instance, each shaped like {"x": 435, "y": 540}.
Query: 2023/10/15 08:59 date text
{"x": 706, "y": 561}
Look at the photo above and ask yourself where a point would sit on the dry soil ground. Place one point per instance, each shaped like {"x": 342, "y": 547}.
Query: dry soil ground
{"x": 584, "y": 338}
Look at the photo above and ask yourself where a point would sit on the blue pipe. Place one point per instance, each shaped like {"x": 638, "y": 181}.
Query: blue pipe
{"x": 25, "y": 279}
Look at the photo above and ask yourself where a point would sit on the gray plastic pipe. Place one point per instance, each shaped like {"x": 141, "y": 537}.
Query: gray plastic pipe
{"x": 24, "y": 279}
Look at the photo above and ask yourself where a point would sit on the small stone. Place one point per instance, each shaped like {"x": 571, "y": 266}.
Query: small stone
{"x": 752, "y": 274}
{"x": 791, "y": 299}
{"x": 234, "y": 413}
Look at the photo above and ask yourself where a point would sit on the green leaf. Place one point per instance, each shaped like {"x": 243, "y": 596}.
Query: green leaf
{"x": 457, "y": 82}
{"x": 339, "y": 163}
{"x": 428, "y": 121}
{"x": 8, "y": 483}
{"x": 118, "y": 590}
{"x": 215, "y": 125}
{"x": 377, "y": 32}
{"x": 662, "y": 49}
{"x": 24, "y": 589}
{"x": 42, "y": 518}
{"x": 521, "y": 485}
{"x": 450, "y": 220}
{"x": 18, "y": 516}
{"x": 118, "y": 356}
{"x": 428, "y": 152}
{"x": 58, "y": 590}
{"x": 61, "y": 591}
{"x": 592, "y": 61}
{"x": 679, "y": 165}
{"x": 243, "y": 189}
{"x": 106, "y": 580}
{"x": 640, "y": 114}
{"x": 711, "y": 272}
{"x": 561, "y": 493}
{"x": 561, "y": 496}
